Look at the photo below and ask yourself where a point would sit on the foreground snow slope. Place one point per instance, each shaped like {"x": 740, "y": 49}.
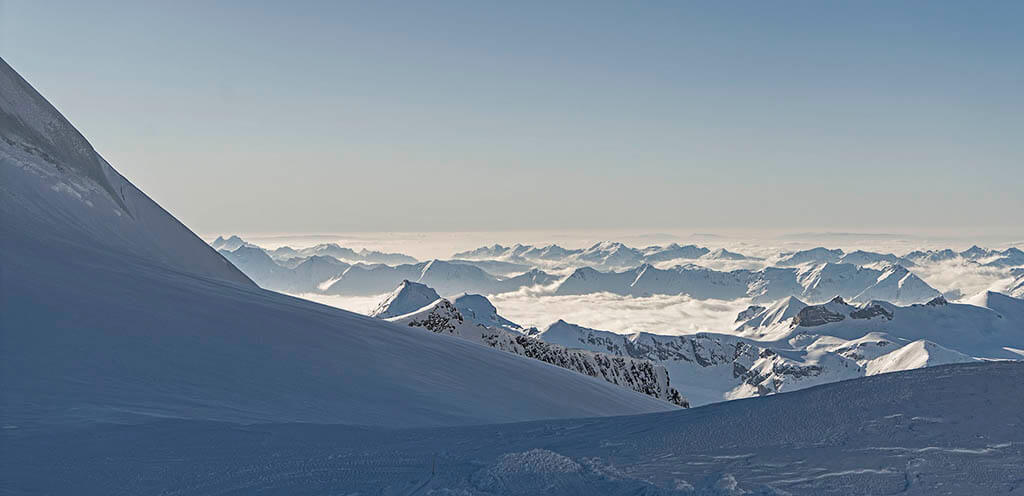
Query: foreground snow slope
{"x": 55, "y": 187}
{"x": 941, "y": 430}
{"x": 114, "y": 311}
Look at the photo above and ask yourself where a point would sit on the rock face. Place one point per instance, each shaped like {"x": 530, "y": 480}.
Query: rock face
{"x": 989, "y": 327}
{"x": 442, "y": 317}
{"x": 749, "y": 313}
{"x": 710, "y": 367}
{"x": 817, "y": 315}
{"x": 791, "y": 345}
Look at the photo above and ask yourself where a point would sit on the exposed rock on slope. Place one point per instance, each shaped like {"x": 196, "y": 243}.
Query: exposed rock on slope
{"x": 442, "y": 317}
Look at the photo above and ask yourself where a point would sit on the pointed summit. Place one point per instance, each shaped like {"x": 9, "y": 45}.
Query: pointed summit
{"x": 406, "y": 298}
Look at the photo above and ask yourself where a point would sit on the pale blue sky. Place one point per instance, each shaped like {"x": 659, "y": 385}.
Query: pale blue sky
{"x": 328, "y": 116}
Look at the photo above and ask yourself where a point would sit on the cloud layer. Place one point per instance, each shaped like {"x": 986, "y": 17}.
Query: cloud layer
{"x": 678, "y": 314}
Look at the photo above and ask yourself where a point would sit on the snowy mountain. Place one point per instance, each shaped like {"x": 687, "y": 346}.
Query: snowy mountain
{"x": 789, "y": 346}
{"x": 931, "y": 256}
{"x": 1016, "y": 288}
{"x": 1010, "y": 257}
{"x": 861, "y": 257}
{"x": 990, "y": 327}
{"x": 446, "y": 277}
{"x": 296, "y": 275}
{"x": 708, "y": 368}
{"x": 333, "y": 250}
{"x": 407, "y": 298}
{"x": 442, "y": 317}
{"x": 975, "y": 252}
{"x": 673, "y": 251}
{"x": 256, "y": 264}
{"x": 496, "y": 267}
{"x": 312, "y": 272}
{"x": 783, "y": 310}
{"x": 894, "y": 283}
{"x": 230, "y": 244}
{"x": 611, "y": 254}
{"x": 921, "y": 353}
{"x": 479, "y": 310}
{"x": 810, "y": 282}
{"x": 723, "y": 254}
{"x": 606, "y": 254}
{"x": 817, "y": 255}
{"x": 115, "y": 312}
{"x": 346, "y": 254}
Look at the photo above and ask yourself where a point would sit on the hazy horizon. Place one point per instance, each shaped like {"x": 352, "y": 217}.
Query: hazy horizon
{"x": 443, "y": 244}
{"x": 369, "y": 117}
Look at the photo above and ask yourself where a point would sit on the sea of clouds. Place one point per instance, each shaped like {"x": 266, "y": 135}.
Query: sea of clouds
{"x": 538, "y": 307}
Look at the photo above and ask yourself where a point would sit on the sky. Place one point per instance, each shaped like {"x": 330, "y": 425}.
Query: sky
{"x": 320, "y": 117}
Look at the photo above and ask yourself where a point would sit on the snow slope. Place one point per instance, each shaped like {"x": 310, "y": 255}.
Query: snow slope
{"x": 943, "y": 430}
{"x": 114, "y": 311}
{"x": 480, "y": 310}
{"x": 922, "y": 353}
{"x": 54, "y": 188}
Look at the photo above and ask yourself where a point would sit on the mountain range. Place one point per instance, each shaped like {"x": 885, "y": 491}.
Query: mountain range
{"x": 613, "y": 255}
{"x": 791, "y": 345}
{"x": 812, "y": 282}
{"x": 786, "y": 346}
{"x": 483, "y": 326}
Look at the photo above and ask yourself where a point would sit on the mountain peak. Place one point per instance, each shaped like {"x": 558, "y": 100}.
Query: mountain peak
{"x": 406, "y": 298}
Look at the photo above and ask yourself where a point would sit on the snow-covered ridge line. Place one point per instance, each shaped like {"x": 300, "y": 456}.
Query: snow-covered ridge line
{"x": 444, "y": 317}
{"x": 55, "y": 187}
{"x": 814, "y": 275}
{"x": 791, "y": 345}
{"x": 285, "y": 254}
{"x": 301, "y": 272}
{"x": 811, "y": 282}
{"x": 610, "y": 255}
